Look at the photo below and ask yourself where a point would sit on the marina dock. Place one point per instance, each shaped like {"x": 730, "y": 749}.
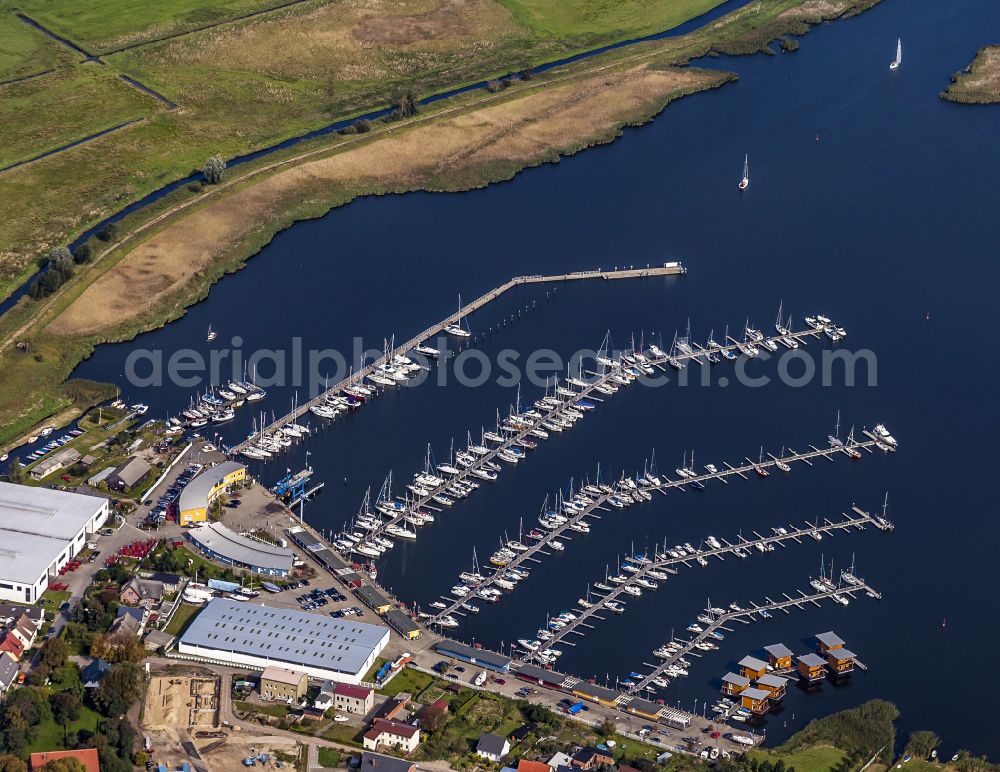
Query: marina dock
{"x": 667, "y": 269}
{"x": 857, "y": 520}
{"x": 599, "y": 503}
{"x": 745, "y": 616}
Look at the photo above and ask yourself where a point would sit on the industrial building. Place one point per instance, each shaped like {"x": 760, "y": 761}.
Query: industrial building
{"x": 198, "y": 495}
{"x": 219, "y": 543}
{"x": 41, "y": 530}
{"x": 236, "y": 632}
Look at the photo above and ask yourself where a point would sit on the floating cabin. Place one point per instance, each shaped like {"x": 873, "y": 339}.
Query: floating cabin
{"x": 756, "y": 700}
{"x": 829, "y": 641}
{"x": 780, "y": 656}
{"x": 733, "y": 684}
{"x": 774, "y": 685}
{"x": 812, "y": 667}
{"x": 840, "y": 661}
{"x": 751, "y": 667}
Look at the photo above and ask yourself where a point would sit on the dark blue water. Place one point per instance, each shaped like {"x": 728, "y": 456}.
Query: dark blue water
{"x": 883, "y": 224}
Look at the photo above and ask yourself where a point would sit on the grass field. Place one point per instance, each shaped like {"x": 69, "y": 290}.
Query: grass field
{"x": 184, "y": 615}
{"x": 586, "y": 20}
{"x": 112, "y": 24}
{"x": 49, "y": 735}
{"x": 24, "y": 50}
{"x": 69, "y": 104}
{"x": 821, "y": 758}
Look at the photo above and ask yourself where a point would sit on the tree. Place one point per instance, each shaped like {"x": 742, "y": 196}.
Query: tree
{"x": 607, "y": 728}
{"x": 54, "y": 652}
{"x": 433, "y": 718}
{"x": 61, "y": 260}
{"x": 922, "y": 743}
{"x": 121, "y": 687}
{"x": 15, "y": 470}
{"x": 10, "y": 763}
{"x": 65, "y": 765}
{"x": 213, "y": 170}
{"x": 65, "y": 707}
{"x": 108, "y": 232}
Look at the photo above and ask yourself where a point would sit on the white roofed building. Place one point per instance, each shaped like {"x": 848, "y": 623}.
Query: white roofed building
{"x": 41, "y": 530}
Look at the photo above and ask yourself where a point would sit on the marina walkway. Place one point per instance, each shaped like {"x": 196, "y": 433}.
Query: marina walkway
{"x": 667, "y": 269}
{"x": 639, "y": 570}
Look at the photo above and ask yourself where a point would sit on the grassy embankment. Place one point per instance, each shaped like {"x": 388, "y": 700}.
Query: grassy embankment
{"x": 979, "y": 83}
{"x": 240, "y": 85}
{"x": 458, "y": 144}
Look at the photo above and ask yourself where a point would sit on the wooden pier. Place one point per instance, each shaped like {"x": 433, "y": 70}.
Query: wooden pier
{"x": 857, "y": 520}
{"x": 667, "y": 269}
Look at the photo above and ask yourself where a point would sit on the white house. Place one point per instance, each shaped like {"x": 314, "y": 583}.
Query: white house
{"x": 492, "y": 747}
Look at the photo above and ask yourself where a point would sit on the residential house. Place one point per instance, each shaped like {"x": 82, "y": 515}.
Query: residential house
{"x": 9, "y": 612}
{"x": 392, "y": 734}
{"x": 129, "y": 620}
{"x": 9, "y": 668}
{"x": 840, "y": 661}
{"x": 87, "y": 757}
{"x": 94, "y": 673}
{"x": 524, "y": 765}
{"x": 733, "y": 684}
{"x": 592, "y": 758}
{"x": 392, "y": 707}
{"x": 492, "y": 747}
{"x": 375, "y": 762}
{"x": 521, "y": 733}
{"x": 11, "y": 644}
{"x": 170, "y": 582}
{"x": 25, "y": 629}
{"x": 128, "y": 475}
{"x": 140, "y": 592}
{"x": 277, "y": 683}
{"x": 348, "y": 698}
{"x": 560, "y": 759}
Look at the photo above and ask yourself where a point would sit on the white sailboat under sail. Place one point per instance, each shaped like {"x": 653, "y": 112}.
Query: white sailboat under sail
{"x": 745, "y": 182}
{"x": 894, "y": 64}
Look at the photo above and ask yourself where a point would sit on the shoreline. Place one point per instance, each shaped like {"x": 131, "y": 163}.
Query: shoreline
{"x": 68, "y": 350}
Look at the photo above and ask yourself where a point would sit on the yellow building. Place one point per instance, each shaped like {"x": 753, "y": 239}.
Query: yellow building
{"x": 779, "y": 655}
{"x": 840, "y": 660}
{"x": 755, "y": 700}
{"x": 751, "y": 667}
{"x": 812, "y": 668}
{"x": 733, "y": 684}
{"x": 198, "y": 495}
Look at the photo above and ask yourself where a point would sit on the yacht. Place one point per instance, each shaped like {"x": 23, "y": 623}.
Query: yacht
{"x": 745, "y": 182}
{"x": 883, "y": 435}
{"x": 212, "y": 334}
{"x": 894, "y": 64}
{"x": 457, "y": 329}
{"x": 427, "y": 351}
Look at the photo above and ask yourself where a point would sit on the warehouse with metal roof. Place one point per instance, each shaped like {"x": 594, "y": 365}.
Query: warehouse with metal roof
{"x": 41, "y": 530}
{"x": 229, "y": 631}
{"x": 216, "y": 541}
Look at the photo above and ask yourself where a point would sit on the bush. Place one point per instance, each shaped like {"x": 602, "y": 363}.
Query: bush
{"x": 81, "y": 254}
{"x": 108, "y": 232}
{"x": 362, "y": 125}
